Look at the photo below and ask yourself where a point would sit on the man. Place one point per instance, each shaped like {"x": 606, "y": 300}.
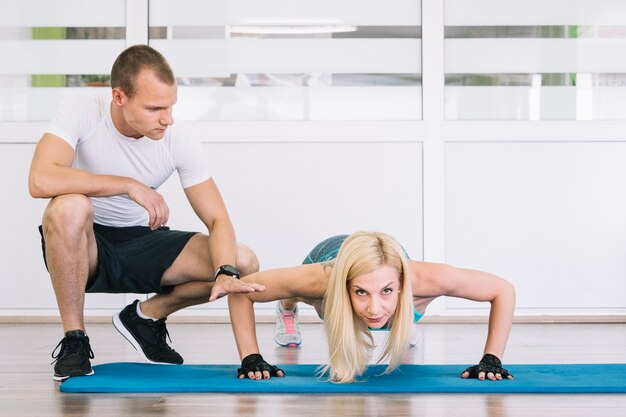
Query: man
{"x": 104, "y": 229}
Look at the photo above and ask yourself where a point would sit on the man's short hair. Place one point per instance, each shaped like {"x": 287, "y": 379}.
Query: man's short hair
{"x": 132, "y": 61}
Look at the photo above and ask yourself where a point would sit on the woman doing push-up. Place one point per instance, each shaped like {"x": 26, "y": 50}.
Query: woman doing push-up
{"x": 365, "y": 282}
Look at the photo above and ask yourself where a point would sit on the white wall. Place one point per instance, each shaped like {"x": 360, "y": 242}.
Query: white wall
{"x": 540, "y": 203}
{"x": 547, "y": 215}
{"x": 283, "y": 198}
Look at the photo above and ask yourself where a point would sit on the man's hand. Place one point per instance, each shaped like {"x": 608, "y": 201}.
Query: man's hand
{"x": 153, "y": 202}
{"x": 225, "y": 284}
{"x": 254, "y": 367}
{"x": 490, "y": 367}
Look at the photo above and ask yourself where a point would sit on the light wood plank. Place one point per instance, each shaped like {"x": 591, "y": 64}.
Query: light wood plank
{"x": 27, "y": 389}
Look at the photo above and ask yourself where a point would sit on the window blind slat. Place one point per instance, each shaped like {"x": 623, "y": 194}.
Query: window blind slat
{"x": 534, "y": 12}
{"x": 59, "y": 56}
{"x": 535, "y": 103}
{"x": 292, "y": 55}
{"x": 298, "y": 103}
{"x": 505, "y": 103}
{"x": 216, "y": 103}
{"x": 491, "y": 56}
{"x": 63, "y": 13}
{"x": 254, "y": 12}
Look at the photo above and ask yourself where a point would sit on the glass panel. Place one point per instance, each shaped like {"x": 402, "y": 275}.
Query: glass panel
{"x": 48, "y": 47}
{"x": 278, "y": 63}
{"x": 500, "y": 66}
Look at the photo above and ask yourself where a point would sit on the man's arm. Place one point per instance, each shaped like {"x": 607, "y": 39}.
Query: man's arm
{"x": 209, "y": 206}
{"x": 51, "y": 174}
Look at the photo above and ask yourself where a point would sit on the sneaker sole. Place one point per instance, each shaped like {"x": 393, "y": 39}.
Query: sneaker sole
{"x": 62, "y": 378}
{"x": 119, "y": 326}
{"x": 287, "y": 344}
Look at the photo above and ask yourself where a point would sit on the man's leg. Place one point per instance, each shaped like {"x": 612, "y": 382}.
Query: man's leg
{"x": 71, "y": 256}
{"x": 143, "y": 324}
{"x": 190, "y": 273}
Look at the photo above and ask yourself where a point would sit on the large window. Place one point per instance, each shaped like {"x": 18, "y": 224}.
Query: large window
{"x": 326, "y": 60}
{"x": 235, "y": 59}
{"x": 535, "y": 59}
{"x": 297, "y": 60}
{"x": 50, "y": 46}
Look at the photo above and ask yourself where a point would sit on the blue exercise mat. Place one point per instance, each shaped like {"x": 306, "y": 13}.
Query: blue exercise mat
{"x": 142, "y": 377}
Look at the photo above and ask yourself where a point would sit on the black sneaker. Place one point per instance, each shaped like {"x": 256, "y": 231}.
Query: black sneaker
{"x": 73, "y": 357}
{"x": 146, "y": 335}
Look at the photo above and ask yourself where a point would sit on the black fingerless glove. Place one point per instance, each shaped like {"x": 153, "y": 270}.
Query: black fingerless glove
{"x": 255, "y": 363}
{"x": 489, "y": 363}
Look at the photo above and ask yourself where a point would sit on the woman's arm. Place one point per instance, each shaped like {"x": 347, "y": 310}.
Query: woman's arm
{"x": 439, "y": 279}
{"x": 241, "y": 310}
{"x": 305, "y": 281}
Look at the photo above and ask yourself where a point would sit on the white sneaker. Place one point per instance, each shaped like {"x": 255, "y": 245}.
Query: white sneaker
{"x": 286, "y": 331}
{"x": 413, "y": 339}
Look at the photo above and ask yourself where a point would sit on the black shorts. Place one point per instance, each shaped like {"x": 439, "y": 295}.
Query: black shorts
{"x": 132, "y": 259}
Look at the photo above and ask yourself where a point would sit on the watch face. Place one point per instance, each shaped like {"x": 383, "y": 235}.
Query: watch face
{"x": 228, "y": 270}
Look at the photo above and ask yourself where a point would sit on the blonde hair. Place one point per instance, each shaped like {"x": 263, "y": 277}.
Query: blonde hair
{"x": 350, "y": 342}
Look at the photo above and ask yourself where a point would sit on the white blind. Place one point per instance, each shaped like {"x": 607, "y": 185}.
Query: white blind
{"x": 323, "y": 60}
{"x": 535, "y": 60}
{"x": 507, "y": 55}
{"x": 59, "y": 56}
{"x": 244, "y": 55}
{"x": 534, "y": 12}
{"x": 293, "y": 60}
{"x": 294, "y": 12}
{"x": 24, "y": 52}
{"x": 50, "y": 46}
{"x": 64, "y": 13}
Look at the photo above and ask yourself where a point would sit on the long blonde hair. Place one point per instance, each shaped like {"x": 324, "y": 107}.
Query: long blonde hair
{"x": 350, "y": 342}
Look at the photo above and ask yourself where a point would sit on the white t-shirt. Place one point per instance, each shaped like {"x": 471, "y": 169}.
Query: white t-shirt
{"x": 84, "y": 121}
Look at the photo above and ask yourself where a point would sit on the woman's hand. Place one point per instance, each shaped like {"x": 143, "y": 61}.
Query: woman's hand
{"x": 254, "y": 367}
{"x": 490, "y": 367}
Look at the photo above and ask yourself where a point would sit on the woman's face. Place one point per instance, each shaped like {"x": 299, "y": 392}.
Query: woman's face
{"x": 375, "y": 295}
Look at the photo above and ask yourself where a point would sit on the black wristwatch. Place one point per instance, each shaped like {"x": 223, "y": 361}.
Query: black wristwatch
{"x": 228, "y": 270}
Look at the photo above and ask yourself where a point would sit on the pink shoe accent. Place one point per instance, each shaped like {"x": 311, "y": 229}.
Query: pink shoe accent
{"x": 288, "y": 319}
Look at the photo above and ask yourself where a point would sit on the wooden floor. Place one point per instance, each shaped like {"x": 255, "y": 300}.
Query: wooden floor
{"x": 27, "y": 389}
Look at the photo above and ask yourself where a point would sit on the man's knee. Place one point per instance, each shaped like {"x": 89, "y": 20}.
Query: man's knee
{"x": 247, "y": 261}
{"x": 67, "y": 213}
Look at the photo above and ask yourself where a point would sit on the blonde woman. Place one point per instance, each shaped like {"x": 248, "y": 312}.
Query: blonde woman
{"x": 365, "y": 282}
